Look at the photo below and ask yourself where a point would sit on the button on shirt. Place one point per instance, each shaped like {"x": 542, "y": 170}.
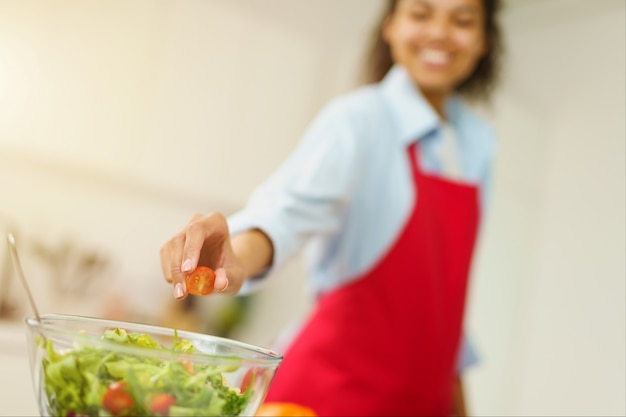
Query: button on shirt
{"x": 346, "y": 191}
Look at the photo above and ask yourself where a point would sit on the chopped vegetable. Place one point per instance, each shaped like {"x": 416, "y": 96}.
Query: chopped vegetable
{"x": 200, "y": 281}
{"x": 117, "y": 400}
{"x": 161, "y": 403}
{"x": 94, "y": 381}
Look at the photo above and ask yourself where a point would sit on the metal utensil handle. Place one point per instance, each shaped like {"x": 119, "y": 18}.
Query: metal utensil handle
{"x": 20, "y": 273}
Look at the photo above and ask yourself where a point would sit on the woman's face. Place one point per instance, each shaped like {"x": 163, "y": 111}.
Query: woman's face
{"x": 438, "y": 41}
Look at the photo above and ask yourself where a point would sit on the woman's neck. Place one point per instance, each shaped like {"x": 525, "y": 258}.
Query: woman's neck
{"x": 437, "y": 101}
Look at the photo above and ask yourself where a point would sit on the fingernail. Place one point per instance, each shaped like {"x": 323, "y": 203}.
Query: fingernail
{"x": 226, "y": 286}
{"x": 179, "y": 291}
{"x": 186, "y": 265}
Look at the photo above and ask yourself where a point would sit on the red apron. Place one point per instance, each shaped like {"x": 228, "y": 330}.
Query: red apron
{"x": 387, "y": 343}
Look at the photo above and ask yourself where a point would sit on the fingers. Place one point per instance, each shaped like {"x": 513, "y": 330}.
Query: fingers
{"x": 203, "y": 237}
{"x": 195, "y": 234}
{"x": 172, "y": 259}
{"x": 171, "y": 264}
{"x": 221, "y": 280}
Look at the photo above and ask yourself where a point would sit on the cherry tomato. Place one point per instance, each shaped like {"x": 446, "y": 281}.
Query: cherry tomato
{"x": 116, "y": 399}
{"x": 279, "y": 409}
{"x": 200, "y": 281}
{"x": 161, "y": 403}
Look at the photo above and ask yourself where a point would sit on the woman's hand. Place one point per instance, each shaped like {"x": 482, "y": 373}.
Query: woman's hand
{"x": 204, "y": 240}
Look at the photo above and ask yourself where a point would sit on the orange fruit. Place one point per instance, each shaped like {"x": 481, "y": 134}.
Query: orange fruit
{"x": 280, "y": 409}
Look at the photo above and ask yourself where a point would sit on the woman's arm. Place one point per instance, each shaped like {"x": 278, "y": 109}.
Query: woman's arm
{"x": 254, "y": 250}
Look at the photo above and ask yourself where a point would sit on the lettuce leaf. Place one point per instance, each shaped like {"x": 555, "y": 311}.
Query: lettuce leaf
{"x": 77, "y": 379}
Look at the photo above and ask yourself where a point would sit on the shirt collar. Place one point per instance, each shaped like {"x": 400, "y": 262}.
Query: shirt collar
{"x": 412, "y": 114}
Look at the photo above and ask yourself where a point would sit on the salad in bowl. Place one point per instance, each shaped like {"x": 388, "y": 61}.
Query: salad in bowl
{"x": 83, "y": 366}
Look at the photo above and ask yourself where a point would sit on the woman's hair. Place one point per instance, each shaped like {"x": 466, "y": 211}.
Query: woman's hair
{"x": 481, "y": 81}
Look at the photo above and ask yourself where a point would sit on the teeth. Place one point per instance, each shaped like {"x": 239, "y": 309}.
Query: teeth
{"x": 435, "y": 56}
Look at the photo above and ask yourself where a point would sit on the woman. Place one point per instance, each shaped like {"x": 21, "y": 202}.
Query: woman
{"x": 387, "y": 186}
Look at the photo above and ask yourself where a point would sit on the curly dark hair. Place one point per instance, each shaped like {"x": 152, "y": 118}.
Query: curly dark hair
{"x": 479, "y": 85}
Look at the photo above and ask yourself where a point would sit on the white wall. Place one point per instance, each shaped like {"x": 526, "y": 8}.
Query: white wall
{"x": 119, "y": 120}
{"x": 548, "y": 307}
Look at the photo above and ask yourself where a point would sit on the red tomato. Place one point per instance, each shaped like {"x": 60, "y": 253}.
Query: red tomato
{"x": 161, "y": 403}
{"x": 200, "y": 281}
{"x": 116, "y": 399}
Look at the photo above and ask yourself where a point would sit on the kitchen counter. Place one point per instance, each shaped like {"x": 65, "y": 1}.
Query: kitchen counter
{"x": 18, "y": 398}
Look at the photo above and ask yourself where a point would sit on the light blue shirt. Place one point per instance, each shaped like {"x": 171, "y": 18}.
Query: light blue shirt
{"x": 345, "y": 192}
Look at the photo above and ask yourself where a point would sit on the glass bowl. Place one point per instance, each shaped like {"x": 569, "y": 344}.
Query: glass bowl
{"x": 97, "y": 367}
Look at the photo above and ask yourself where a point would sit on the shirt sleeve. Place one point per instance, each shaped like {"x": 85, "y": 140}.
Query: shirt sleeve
{"x": 306, "y": 194}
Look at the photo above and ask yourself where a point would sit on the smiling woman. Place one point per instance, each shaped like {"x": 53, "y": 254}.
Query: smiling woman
{"x": 392, "y": 232}
{"x": 463, "y": 33}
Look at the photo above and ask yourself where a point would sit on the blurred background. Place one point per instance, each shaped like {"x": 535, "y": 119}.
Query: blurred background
{"x": 120, "y": 120}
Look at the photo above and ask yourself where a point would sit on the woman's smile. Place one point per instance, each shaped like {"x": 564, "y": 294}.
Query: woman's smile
{"x": 438, "y": 42}
{"x": 435, "y": 58}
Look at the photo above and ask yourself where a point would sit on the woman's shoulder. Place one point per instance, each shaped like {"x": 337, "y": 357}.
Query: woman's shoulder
{"x": 362, "y": 110}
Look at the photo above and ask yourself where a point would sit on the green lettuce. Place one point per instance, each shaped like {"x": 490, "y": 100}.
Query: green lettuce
{"x": 76, "y": 380}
